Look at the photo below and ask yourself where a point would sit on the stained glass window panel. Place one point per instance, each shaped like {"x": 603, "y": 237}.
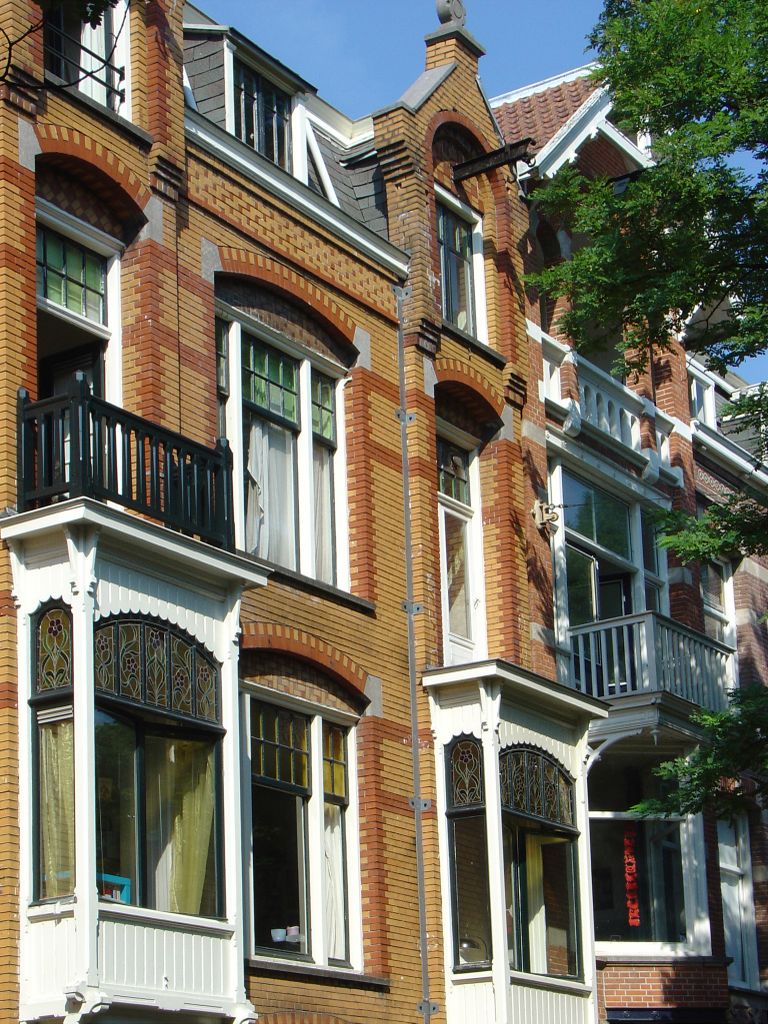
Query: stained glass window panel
{"x": 54, "y": 650}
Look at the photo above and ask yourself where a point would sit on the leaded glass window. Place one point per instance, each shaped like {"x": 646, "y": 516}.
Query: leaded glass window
{"x": 466, "y": 773}
{"x": 453, "y": 471}
{"x": 534, "y": 784}
{"x": 146, "y": 662}
{"x": 53, "y": 669}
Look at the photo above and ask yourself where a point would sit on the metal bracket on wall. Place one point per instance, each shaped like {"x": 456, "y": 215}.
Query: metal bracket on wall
{"x": 425, "y": 805}
{"x": 425, "y": 1008}
{"x": 412, "y": 607}
{"x": 402, "y": 416}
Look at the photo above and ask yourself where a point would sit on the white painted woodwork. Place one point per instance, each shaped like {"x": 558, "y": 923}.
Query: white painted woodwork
{"x": 645, "y": 653}
{"x": 555, "y": 1006}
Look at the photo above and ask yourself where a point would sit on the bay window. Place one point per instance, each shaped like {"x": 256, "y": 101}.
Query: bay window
{"x": 300, "y": 796}
{"x": 157, "y": 738}
{"x": 738, "y": 902}
{"x": 539, "y": 837}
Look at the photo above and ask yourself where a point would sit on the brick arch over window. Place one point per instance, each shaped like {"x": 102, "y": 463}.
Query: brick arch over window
{"x": 290, "y": 283}
{"x": 97, "y": 168}
{"x": 280, "y": 639}
{"x": 459, "y": 382}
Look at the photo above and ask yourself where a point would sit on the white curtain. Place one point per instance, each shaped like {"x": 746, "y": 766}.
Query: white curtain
{"x": 95, "y": 40}
{"x": 322, "y": 462}
{"x": 57, "y": 809}
{"x": 270, "y": 502}
{"x": 335, "y": 925}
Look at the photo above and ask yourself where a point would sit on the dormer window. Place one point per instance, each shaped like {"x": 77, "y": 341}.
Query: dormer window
{"x": 262, "y": 115}
{"x": 462, "y": 270}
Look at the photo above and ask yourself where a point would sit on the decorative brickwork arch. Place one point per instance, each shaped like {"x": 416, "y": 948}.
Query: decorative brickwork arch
{"x": 95, "y": 167}
{"x": 280, "y": 639}
{"x": 458, "y": 379}
{"x": 300, "y": 1017}
{"x": 290, "y": 283}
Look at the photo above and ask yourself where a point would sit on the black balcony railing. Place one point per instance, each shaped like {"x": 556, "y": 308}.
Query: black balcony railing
{"x": 75, "y": 445}
{"x": 75, "y": 64}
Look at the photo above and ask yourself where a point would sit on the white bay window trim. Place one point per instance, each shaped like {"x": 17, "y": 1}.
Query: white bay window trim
{"x": 475, "y": 223}
{"x": 738, "y": 902}
{"x": 237, "y": 323}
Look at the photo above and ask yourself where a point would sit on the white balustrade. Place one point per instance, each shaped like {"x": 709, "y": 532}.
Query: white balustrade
{"x": 646, "y": 653}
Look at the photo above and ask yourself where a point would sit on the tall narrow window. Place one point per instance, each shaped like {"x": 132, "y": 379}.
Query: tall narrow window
{"x": 454, "y": 236}
{"x": 336, "y": 799}
{"x": 271, "y": 426}
{"x": 738, "y": 906}
{"x": 89, "y": 57}
{"x": 323, "y": 448}
{"x": 280, "y": 753}
{"x": 468, "y": 854}
{"x": 262, "y": 115}
{"x": 222, "y": 373}
{"x": 460, "y": 555}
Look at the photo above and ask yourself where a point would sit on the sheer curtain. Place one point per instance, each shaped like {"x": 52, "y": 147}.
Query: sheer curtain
{"x": 270, "y": 504}
{"x": 335, "y": 903}
{"x": 322, "y": 461}
{"x": 92, "y": 64}
{"x": 180, "y": 802}
{"x": 57, "y": 809}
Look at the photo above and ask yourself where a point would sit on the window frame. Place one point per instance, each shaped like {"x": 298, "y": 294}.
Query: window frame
{"x": 261, "y": 78}
{"x": 106, "y": 335}
{"x": 695, "y": 900}
{"x": 317, "y": 715}
{"x": 474, "y": 221}
{"x": 742, "y": 870}
{"x": 232, "y": 415}
{"x": 458, "y": 649}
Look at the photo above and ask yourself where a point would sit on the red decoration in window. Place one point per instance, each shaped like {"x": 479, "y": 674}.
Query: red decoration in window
{"x": 630, "y": 875}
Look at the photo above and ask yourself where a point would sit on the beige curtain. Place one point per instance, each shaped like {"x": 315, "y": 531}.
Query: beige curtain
{"x": 57, "y": 809}
{"x": 192, "y": 826}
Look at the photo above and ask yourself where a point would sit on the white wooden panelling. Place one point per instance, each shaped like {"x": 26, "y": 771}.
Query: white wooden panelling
{"x": 48, "y": 959}
{"x": 526, "y": 1003}
{"x": 122, "y": 590}
{"x": 518, "y": 727}
{"x": 162, "y": 959}
{"x": 470, "y": 1001}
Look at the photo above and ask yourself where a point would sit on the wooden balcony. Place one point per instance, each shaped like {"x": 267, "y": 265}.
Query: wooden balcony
{"x": 76, "y": 445}
{"x": 648, "y": 653}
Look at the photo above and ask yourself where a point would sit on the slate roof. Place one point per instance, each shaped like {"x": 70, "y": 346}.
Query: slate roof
{"x": 541, "y": 113}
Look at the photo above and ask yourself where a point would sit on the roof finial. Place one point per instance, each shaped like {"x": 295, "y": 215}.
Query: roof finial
{"x": 451, "y": 12}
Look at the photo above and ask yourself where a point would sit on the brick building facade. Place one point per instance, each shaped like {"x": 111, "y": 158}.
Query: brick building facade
{"x": 304, "y": 713}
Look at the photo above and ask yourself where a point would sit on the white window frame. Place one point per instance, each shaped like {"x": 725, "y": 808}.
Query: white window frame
{"x": 295, "y": 134}
{"x": 725, "y": 615}
{"x": 692, "y": 852}
{"x": 456, "y": 649}
{"x": 237, "y": 323}
{"x": 741, "y": 869}
{"x": 110, "y": 332}
{"x": 475, "y": 223}
{"x": 317, "y": 714}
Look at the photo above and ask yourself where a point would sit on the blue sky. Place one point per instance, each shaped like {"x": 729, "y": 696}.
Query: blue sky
{"x": 363, "y": 54}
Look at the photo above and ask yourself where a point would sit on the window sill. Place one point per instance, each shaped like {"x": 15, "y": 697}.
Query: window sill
{"x": 475, "y": 343}
{"x": 313, "y": 972}
{"x": 139, "y": 135}
{"x": 576, "y": 988}
{"x": 51, "y": 909}
{"x": 296, "y": 579}
{"x": 665, "y": 956}
{"x": 161, "y": 919}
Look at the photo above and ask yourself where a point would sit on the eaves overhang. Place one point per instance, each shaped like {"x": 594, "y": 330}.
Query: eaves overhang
{"x": 730, "y": 456}
{"x": 523, "y": 686}
{"x": 143, "y": 543}
{"x": 279, "y": 183}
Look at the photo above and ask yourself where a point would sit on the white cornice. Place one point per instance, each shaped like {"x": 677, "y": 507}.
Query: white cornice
{"x": 307, "y": 203}
{"x": 543, "y": 86}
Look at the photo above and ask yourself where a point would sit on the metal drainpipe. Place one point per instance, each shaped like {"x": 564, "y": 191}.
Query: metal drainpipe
{"x": 426, "y": 1007}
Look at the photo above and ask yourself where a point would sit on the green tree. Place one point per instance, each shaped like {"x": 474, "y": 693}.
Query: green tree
{"x": 728, "y": 771}
{"x": 682, "y": 247}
